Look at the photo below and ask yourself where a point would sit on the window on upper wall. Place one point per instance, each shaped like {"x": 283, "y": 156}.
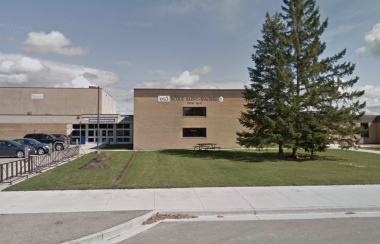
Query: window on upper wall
{"x": 194, "y": 111}
{"x": 365, "y": 126}
{"x": 194, "y": 132}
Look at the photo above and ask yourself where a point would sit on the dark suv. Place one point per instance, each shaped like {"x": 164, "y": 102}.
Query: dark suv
{"x": 46, "y": 138}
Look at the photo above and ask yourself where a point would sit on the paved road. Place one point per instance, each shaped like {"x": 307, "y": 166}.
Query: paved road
{"x": 347, "y": 231}
{"x": 58, "y": 227}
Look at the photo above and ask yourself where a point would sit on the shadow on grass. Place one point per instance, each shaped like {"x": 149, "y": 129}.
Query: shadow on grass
{"x": 248, "y": 156}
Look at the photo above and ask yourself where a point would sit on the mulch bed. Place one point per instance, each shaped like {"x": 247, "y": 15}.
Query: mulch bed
{"x": 158, "y": 217}
{"x": 97, "y": 162}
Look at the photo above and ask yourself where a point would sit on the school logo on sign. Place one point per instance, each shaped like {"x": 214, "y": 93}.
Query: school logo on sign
{"x": 163, "y": 99}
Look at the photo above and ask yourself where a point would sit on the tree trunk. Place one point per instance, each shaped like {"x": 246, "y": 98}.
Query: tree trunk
{"x": 280, "y": 149}
{"x": 294, "y": 154}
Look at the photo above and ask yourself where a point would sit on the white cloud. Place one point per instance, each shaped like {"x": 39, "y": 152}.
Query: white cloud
{"x": 80, "y": 81}
{"x": 373, "y": 39}
{"x": 17, "y": 69}
{"x": 54, "y": 42}
{"x": 185, "y": 79}
{"x": 202, "y": 71}
{"x": 192, "y": 80}
{"x": 361, "y": 51}
{"x": 371, "y": 96}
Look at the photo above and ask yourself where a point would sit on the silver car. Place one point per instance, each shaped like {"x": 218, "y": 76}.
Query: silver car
{"x": 14, "y": 149}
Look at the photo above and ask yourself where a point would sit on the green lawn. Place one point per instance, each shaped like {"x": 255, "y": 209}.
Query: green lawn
{"x": 70, "y": 177}
{"x": 189, "y": 168}
{"x": 372, "y": 148}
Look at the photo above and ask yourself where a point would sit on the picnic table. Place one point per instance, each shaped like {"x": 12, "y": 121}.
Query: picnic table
{"x": 206, "y": 146}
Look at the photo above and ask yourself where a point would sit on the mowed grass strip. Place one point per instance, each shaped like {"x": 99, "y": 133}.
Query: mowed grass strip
{"x": 189, "y": 168}
{"x": 70, "y": 177}
{"x": 376, "y": 148}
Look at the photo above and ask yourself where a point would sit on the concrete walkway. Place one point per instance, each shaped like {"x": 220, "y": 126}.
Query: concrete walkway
{"x": 249, "y": 199}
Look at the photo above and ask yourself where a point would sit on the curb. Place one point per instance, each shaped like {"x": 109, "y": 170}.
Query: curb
{"x": 270, "y": 211}
{"x": 113, "y": 232}
{"x": 107, "y": 236}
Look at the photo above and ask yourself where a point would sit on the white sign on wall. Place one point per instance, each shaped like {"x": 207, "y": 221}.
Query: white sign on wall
{"x": 37, "y": 96}
{"x": 163, "y": 99}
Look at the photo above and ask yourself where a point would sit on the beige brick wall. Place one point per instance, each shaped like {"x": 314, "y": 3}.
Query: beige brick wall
{"x": 158, "y": 125}
{"x": 56, "y": 101}
{"x": 14, "y": 131}
{"x": 374, "y": 129}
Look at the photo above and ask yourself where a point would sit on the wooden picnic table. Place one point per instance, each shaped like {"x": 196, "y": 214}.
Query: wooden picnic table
{"x": 206, "y": 146}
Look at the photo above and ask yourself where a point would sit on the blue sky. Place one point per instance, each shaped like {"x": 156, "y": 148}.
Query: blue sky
{"x": 121, "y": 45}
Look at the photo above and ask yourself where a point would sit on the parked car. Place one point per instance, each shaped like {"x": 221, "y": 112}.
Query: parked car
{"x": 14, "y": 149}
{"x": 47, "y": 139}
{"x": 41, "y": 148}
{"x": 62, "y": 137}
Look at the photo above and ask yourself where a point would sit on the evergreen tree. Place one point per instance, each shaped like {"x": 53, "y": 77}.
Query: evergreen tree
{"x": 321, "y": 95}
{"x": 267, "y": 105}
{"x": 296, "y": 96}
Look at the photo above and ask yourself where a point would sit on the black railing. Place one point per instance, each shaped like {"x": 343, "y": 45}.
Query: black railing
{"x": 34, "y": 164}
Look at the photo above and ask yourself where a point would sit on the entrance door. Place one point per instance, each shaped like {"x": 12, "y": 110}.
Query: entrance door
{"x": 106, "y": 136}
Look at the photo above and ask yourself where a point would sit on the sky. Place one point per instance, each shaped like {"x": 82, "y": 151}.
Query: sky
{"x": 120, "y": 45}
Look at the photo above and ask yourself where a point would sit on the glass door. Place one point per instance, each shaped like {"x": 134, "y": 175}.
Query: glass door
{"x": 106, "y": 136}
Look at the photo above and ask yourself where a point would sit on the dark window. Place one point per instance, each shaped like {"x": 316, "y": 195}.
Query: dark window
{"x": 79, "y": 126}
{"x": 122, "y": 133}
{"x": 195, "y": 111}
{"x": 123, "y": 126}
{"x": 194, "y": 132}
{"x": 365, "y": 126}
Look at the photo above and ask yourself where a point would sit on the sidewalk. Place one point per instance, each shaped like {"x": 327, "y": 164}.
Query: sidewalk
{"x": 249, "y": 199}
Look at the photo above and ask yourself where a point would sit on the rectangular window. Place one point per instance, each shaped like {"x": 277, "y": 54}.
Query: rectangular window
{"x": 194, "y": 111}
{"x": 79, "y": 126}
{"x": 122, "y": 126}
{"x": 122, "y": 133}
{"x": 365, "y": 126}
{"x": 194, "y": 132}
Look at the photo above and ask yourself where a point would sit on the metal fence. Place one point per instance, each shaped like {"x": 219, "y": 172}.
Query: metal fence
{"x": 34, "y": 164}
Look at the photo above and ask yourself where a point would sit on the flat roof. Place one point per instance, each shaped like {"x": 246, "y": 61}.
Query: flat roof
{"x": 227, "y": 93}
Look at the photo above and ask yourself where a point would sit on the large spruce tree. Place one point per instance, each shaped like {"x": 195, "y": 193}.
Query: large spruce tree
{"x": 298, "y": 96}
{"x": 266, "y": 97}
{"x": 321, "y": 94}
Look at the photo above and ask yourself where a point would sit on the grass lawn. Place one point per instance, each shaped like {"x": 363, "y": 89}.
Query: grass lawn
{"x": 70, "y": 177}
{"x": 372, "y": 148}
{"x": 189, "y": 168}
